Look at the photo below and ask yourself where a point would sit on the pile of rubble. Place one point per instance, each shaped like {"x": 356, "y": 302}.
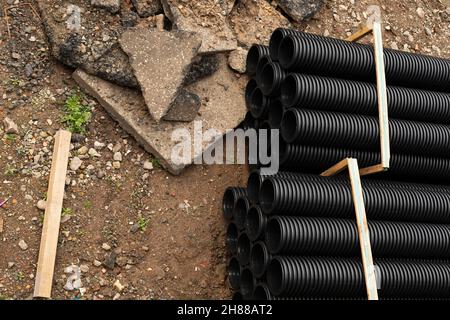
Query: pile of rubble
{"x": 159, "y": 65}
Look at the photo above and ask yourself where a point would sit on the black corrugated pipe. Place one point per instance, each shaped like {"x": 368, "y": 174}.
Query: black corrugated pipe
{"x": 343, "y": 277}
{"x": 279, "y": 34}
{"x": 244, "y": 249}
{"x": 271, "y": 79}
{"x": 234, "y": 273}
{"x": 323, "y": 199}
{"x": 259, "y": 104}
{"x": 240, "y": 211}
{"x": 256, "y": 177}
{"x": 248, "y": 122}
{"x": 259, "y": 69}
{"x": 275, "y": 115}
{"x": 259, "y": 259}
{"x": 251, "y": 85}
{"x": 318, "y": 55}
{"x": 317, "y": 159}
{"x": 247, "y": 283}
{"x": 339, "y": 237}
{"x": 330, "y": 94}
{"x": 255, "y": 53}
{"x": 230, "y": 197}
{"x": 255, "y": 223}
{"x": 362, "y": 132}
{"x": 232, "y": 237}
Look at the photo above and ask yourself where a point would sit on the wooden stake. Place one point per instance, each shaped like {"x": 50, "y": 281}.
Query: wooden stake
{"x": 52, "y": 219}
{"x": 361, "y": 222}
{"x": 1, "y": 225}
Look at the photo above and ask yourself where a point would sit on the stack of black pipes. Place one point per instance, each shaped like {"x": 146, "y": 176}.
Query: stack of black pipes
{"x": 293, "y": 235}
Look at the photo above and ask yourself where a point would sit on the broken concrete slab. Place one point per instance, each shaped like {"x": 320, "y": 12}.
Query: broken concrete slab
{"x": 300, "y": 10}
{"x": 203, "y": 66}
{"x": 112, "y": 6}
{"x": 127, "y": 106}
{"x": 205, "y": 18}
{"x": 254, "y": 21}
{"x": 113, "y": 66}
{"x": 160, "y": 61}
{"x": 184, "y": 108}
{"x": 147, "y": 8}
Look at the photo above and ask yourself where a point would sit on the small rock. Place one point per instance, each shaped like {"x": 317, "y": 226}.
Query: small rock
{"x": 118, "y": 285}
{"x": 116, "y": 147}
{"x": 41, "y": 205}
{"x": 116, "y": 165}
{"x": 106, "y": 247}
{"x": 96, "y": 263}
{"x": 10, "y": 126}
{"x": 84, "y": 268}
{"x": 23, "y": 245}
{"x": 83, "y": 150}
{"x": 147, "y": 8}
{"x": 110, "y": 260}
{"x": 75, "y": 164}
{"x": 113, "y": 6}
{"x": 98, "y": 145}
{"x": 420, "y": 12}
{"x": 11, "y": 264}
{"x": 93, "y": 153}
{"x": 237, "y": 60}
{"x": 100, "y": 174}
{"x": 15, "y": 56}
{"x": 117, "y": 156}
{"x": 428, "y": 31}
{"x": 148, "y": 165}
{"x": 135, "y": 228}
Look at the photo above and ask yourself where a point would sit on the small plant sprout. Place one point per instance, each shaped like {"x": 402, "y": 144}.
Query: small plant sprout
{"x": 77, "y": 115}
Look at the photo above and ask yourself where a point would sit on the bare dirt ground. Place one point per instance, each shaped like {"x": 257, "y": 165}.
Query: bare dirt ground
{"x": 180, "y": 253}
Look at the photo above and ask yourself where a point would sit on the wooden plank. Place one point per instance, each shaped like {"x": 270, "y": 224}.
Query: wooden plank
{"x": 362, "y": 32}
{"x": 372, "y": 170}
{"x": 382, "y": 95}
{"x": 52, "y": 219}
{"x": 337, "y": 168}
{"x": 1, "y": 225}
{"x": 363, "y": 230}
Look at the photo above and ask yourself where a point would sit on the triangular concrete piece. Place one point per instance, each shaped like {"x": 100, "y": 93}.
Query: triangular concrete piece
{"x": 160, "y": 62}
{"x": 223, "y": 108}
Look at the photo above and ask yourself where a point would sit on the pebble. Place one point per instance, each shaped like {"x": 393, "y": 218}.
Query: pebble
{"x": 41, "y": 204}
{"x": 116, "y": 147}
{"x": 15, "y": 56}
{"x": 116, "y": 165}
{"x": 11, "y": 264}
{"x": 106, "y": 247}
{"x": 148, "y": 165}
{"x": 237, "y": 60}
{"x": 118, "y": 285}
{"x": 420, "y": 12}
{"x": 98, "y": 145}
{"x": 23, "y": 245}
{"x": 10, "y": 126}
{"x": 117, "y": 156}
{"x": 84, "y": 268}
{"x": 93, "y": 153}
{"x": 100, "y": 174}
{"x": 83, "y": 150}
{"x": 75, "y": 164}
{"x": 96, "y": 263}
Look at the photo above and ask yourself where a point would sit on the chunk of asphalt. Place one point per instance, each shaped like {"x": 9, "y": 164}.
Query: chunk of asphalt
{"x": 128, "y": 108}
{"x": 160, "y": 62}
